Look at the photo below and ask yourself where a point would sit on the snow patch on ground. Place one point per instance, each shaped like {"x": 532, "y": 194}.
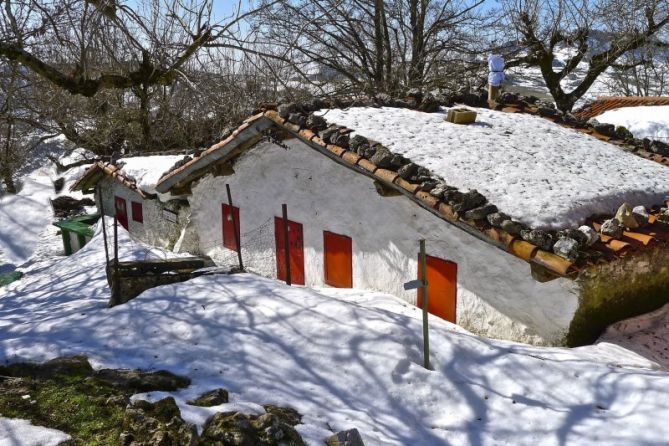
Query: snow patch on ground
{"x": 24, "y": 216}
{"x": 348, "y": 359}
{"x": 647, "y": 335}
{"x": 15, "y": 432}
{"x": 644, "y": 122}
{"x": 540, "y": 173}
{"x": 147, "y": 170}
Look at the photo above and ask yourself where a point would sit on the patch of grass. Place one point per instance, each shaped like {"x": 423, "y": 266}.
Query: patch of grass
{"x": 91, "y": 412}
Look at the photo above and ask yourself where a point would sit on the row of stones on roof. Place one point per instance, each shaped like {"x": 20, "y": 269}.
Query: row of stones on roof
{"x": 547, "y": 109}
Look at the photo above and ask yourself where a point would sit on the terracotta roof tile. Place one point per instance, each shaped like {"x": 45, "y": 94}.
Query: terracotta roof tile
{"x": 386, "y": 175}
{"x": 552, "y": 262}
{"x": 606, "y": 103}
{"x": 404, "y": 184}
{"x": 351, "y": 157}
{"x": 522, "y": 249}
{"x": 339, "y": 151}
{"x": 367, "y": 165}
{"x": 428, "y": 199}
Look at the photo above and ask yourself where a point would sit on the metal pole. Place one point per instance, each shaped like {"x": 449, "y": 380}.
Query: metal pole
{"x": 426, "y": 333}
{"x": 235, "y": 228}
{"x": 286, "y": 247}
{"x": 104, "y": 226}
{"x": 115, "y": 285}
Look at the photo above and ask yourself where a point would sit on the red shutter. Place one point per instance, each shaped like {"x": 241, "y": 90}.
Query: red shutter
{"x": 296, "y": 248}
{"x": 338, "y": 260}
{"x": 441, "y": 287}
{"x": 121, "y": 211}
{"x": 137, "y": 213}
{"x": 229, "y": 240}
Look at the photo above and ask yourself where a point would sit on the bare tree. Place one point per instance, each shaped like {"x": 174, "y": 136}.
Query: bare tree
{"x": 598, "y": 33}
{"x": 372, "y": 45}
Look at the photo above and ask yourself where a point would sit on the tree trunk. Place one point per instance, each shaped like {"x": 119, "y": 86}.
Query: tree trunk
{"x": 379, "y": 13}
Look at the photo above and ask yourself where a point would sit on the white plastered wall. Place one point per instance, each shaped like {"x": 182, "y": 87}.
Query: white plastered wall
{"x": 496, "y": 294}
{"x": 156, "y": 229}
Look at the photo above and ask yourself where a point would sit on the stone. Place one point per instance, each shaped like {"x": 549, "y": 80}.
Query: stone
{"x": 480, "y": 212}
{"x": 286, "y": 414}
{"x": 398, "y": 161}
{"x": 65, "y": 206}
{"x": 497, "y": 218}
{"x": 508, "y": 98}
{"x": 340, "y": 139}
{"x": 452, "y": 196}
{"x": 350, "y": 437}
{"x": 469, "y": 200}
{"x": 623, "y": 133}
{"x": 58, "y": 185}
{"x": 158, "y": 423}
{"x": 326, "y": 133}
{"x": 547, "y": 112}
{"x": 117, "y": 400}
{"x": 542, "y": 239}
{"x": 357, "y": 141}
{"x": 612, "y": 228}
{"x": 238, "y": 429}
{"x": 567, "y": 248}
{"x": 605, "y": 129}
{"x": 298, "y": 119}
{"x": 429, "y": 104}
{"x": 625, "y": 217}
{"x": 286, "y": 109}
{"x": 212, "y": 398}
{"x": 663, "y": 216}
{"x": 574, "y": 234}
{"x": 439, "y": 190}
{"x": 590, "y": 234}
{"x": 428, "y": 185}
{"x": 408, "y": 171}
{"x": 659, "y": 147}
{"x": 382, "y": 158}
{"x": 316, "y": 123}
{"x": 140, "y": 381}
{"x": 641, "y": 215}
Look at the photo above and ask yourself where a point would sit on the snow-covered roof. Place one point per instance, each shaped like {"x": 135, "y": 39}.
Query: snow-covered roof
{"x": 644, "y": 122}
{"x": 145, "y": 171}
{"x": 540, "y": 173}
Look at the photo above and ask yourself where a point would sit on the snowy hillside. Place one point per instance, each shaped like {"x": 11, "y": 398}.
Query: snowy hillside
{"x": 342, "y": 358}
{"x": 540, "y": 173}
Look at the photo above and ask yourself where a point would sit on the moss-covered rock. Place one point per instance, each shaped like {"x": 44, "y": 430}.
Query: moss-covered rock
{"x": 212, "y": 398}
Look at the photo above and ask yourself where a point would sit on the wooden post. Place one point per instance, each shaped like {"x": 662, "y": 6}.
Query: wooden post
{"x": 235, "y": 226}
{"x": 426, "y": 332}
{"x": 115, "y": 284}
{"x": 286, "y": 247}
{"x": 104, "y": 226}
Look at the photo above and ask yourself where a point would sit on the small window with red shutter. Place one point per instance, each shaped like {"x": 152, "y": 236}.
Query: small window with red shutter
{"x": 229, "y": 240}
{"x": 137, "y": 213}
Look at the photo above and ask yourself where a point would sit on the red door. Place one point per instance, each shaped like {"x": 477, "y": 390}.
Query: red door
{"x": 441, "y": 287}
{"x": 338, "y": 260}
{"x": 229, "y": 240}
{"x": 121, "y": 211}
{"x": 295, "y": 248}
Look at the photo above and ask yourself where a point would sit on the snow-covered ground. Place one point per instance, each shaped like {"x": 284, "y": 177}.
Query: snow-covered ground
{"x": 644, "y": 122}
{"x": 24, "y": 216}
{"x": 342, "y": 358}
{"x": 15, "y": 432}
{"x": 540, "y": 173}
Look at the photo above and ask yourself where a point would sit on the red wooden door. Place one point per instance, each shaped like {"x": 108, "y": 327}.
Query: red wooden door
{"x": 441, "y": 287}
{"x": 295, "y": 248}
{"x": 121, "y": 211}
{"x": 338, "y": 260}
{"x": 229, "y": 240}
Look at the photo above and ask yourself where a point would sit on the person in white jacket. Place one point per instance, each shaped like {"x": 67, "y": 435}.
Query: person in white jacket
{"x": 496, "y": 75}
